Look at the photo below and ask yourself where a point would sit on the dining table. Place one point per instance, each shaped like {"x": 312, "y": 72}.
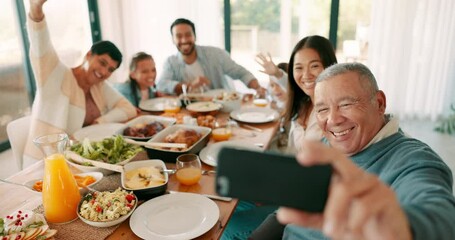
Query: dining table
{"x": 13, "y": 197}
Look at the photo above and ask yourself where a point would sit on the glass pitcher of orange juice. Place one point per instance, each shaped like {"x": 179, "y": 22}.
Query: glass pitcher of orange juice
{"x": 60, "y": 192}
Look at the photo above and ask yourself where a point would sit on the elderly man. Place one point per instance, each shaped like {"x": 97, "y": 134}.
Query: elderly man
{"x": 385, "y": 185}
{"x": 199, "y": 66}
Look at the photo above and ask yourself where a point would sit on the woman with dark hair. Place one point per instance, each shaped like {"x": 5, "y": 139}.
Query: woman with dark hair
{"x": 310, "y": 57}
{"x": 141, "y": 82}
{"x": 69, "y": 98}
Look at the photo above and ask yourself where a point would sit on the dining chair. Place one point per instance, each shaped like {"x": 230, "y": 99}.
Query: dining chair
{"x": 17, "y": 131}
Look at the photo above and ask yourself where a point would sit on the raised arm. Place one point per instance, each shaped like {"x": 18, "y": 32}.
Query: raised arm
{"x": 36, "y": 10}
{"x": 268, "y": 65}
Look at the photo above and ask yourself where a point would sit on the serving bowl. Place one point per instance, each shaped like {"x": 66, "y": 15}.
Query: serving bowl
{"x": 203, "y": 108}
{"x": 146, "y": 190}
{"x": 102, "y": 201}
{"x": 106, "y": 156}
{"x": 229, "y": 100}
{"x": 170, "y": 155}
{"x": 142, "y": 121}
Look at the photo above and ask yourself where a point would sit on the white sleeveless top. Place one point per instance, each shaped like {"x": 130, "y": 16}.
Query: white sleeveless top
{"x": 297, "y": 133}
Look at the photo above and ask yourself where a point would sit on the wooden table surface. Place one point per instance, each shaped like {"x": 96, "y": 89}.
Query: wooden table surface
{"x": 13, "y": 197}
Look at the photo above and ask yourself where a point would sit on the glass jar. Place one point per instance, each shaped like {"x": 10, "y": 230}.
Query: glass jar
{"x": 60, "y": 193}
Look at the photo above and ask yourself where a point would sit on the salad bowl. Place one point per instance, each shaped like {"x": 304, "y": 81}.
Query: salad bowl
{"x": 106, "y": 156}
{"x": 107, "y": 208}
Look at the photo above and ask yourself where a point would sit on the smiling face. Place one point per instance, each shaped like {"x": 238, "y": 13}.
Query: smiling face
{"x": 100, "y": 67}
{"x": 347, "y": 113}
{"x": 307, "y": 67}
{"x": 144, "y": 73}
{"x": 184, "y": 38}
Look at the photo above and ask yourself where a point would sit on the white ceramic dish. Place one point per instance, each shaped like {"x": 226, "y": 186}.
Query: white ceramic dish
{"x": 174, "y": 216}
{"x": 205, "y": 96}
{"x": 146, "y": 192}
{"x": 98, "y": 132}
{"x": 158, "y": 104}
{"x": 145, "y": 119}
{"x": 107, "y": 223}
{"x": 105, "y": 168}
{"x": 255, "y": 115}
{"x": 230, "y": 100}
{"x": 171, "y": 155}
{"x": 204, "y": 107}
{"x": 86, "y": 169}
{"x": 97, "y": 175}
{"x": 209, "y": 154}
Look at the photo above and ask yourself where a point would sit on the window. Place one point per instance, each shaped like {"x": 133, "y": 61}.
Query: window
{"x": 352, "y": 44}
{"x": 69, "y": 27}
{"x": 274, "y": 26}
{"x": 14, "y": 101}
{"x": 70, "y": 32}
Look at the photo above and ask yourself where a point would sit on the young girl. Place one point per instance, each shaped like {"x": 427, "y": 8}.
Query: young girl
{"x": 141, "y": 83}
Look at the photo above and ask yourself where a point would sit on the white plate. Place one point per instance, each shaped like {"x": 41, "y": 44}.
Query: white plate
{"x": 98, "y": 132}
{"x": 209, "y": 154}
{"x": 215, "y": 92}
{"x": 158, "y": 104}
{"x": 174, "y": 216}
{"x": 97, "y": 175}
{"x": 205, "y": 96}
{"x": 255, "y": 115}
{"x": 204, "y": 107}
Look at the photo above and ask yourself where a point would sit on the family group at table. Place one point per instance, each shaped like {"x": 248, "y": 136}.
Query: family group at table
{"x": 385, "y": 184}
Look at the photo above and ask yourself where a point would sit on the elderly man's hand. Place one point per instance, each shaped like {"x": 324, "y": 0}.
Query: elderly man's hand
{"x": 359, "y": 206}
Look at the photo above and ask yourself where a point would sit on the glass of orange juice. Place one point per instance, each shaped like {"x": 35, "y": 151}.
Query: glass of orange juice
{"x": 188, "y": 169}
{"x": 221, "y": 132}
{"x": 60, "y": 192}
{"x": 171, "y": 106}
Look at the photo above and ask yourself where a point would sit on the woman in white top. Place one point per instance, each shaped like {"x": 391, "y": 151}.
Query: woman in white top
{"x": 309, "y": 58}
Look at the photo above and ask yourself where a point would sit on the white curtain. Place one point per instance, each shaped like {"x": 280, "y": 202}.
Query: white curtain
{"x": 412, "y": 54}
{"x": 144, "y": 25}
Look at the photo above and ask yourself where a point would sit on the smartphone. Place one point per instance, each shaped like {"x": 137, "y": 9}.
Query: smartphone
{"x": 272, "y": 178}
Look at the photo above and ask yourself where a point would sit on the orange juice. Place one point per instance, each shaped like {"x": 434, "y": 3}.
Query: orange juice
{"x": 60, "y": 191}
{"x": 260, "y": 102}
{"x": 221, "y": 134}
{"x": 171, "y": 109}
{"x": 188, "y": 176}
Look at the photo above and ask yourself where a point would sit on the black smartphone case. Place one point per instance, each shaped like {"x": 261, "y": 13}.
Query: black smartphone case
{"x": 272, "y": 178}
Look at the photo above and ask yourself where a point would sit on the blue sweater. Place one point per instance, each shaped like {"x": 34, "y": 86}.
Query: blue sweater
{"x": 131, "y": 91}
{"x": 420, "y": 179}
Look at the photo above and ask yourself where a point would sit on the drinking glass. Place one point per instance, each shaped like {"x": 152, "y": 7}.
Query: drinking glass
{"x": 188, "y": 169}
{"x": 222, "y": 131}
{"x": 261, "y": 101}
{"x": 171, "y": 106}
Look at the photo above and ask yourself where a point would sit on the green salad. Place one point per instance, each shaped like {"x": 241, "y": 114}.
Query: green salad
{"x": 111, "y": 150}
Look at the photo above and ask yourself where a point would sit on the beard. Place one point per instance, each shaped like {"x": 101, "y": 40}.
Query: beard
{"x": 188, "y": 52}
